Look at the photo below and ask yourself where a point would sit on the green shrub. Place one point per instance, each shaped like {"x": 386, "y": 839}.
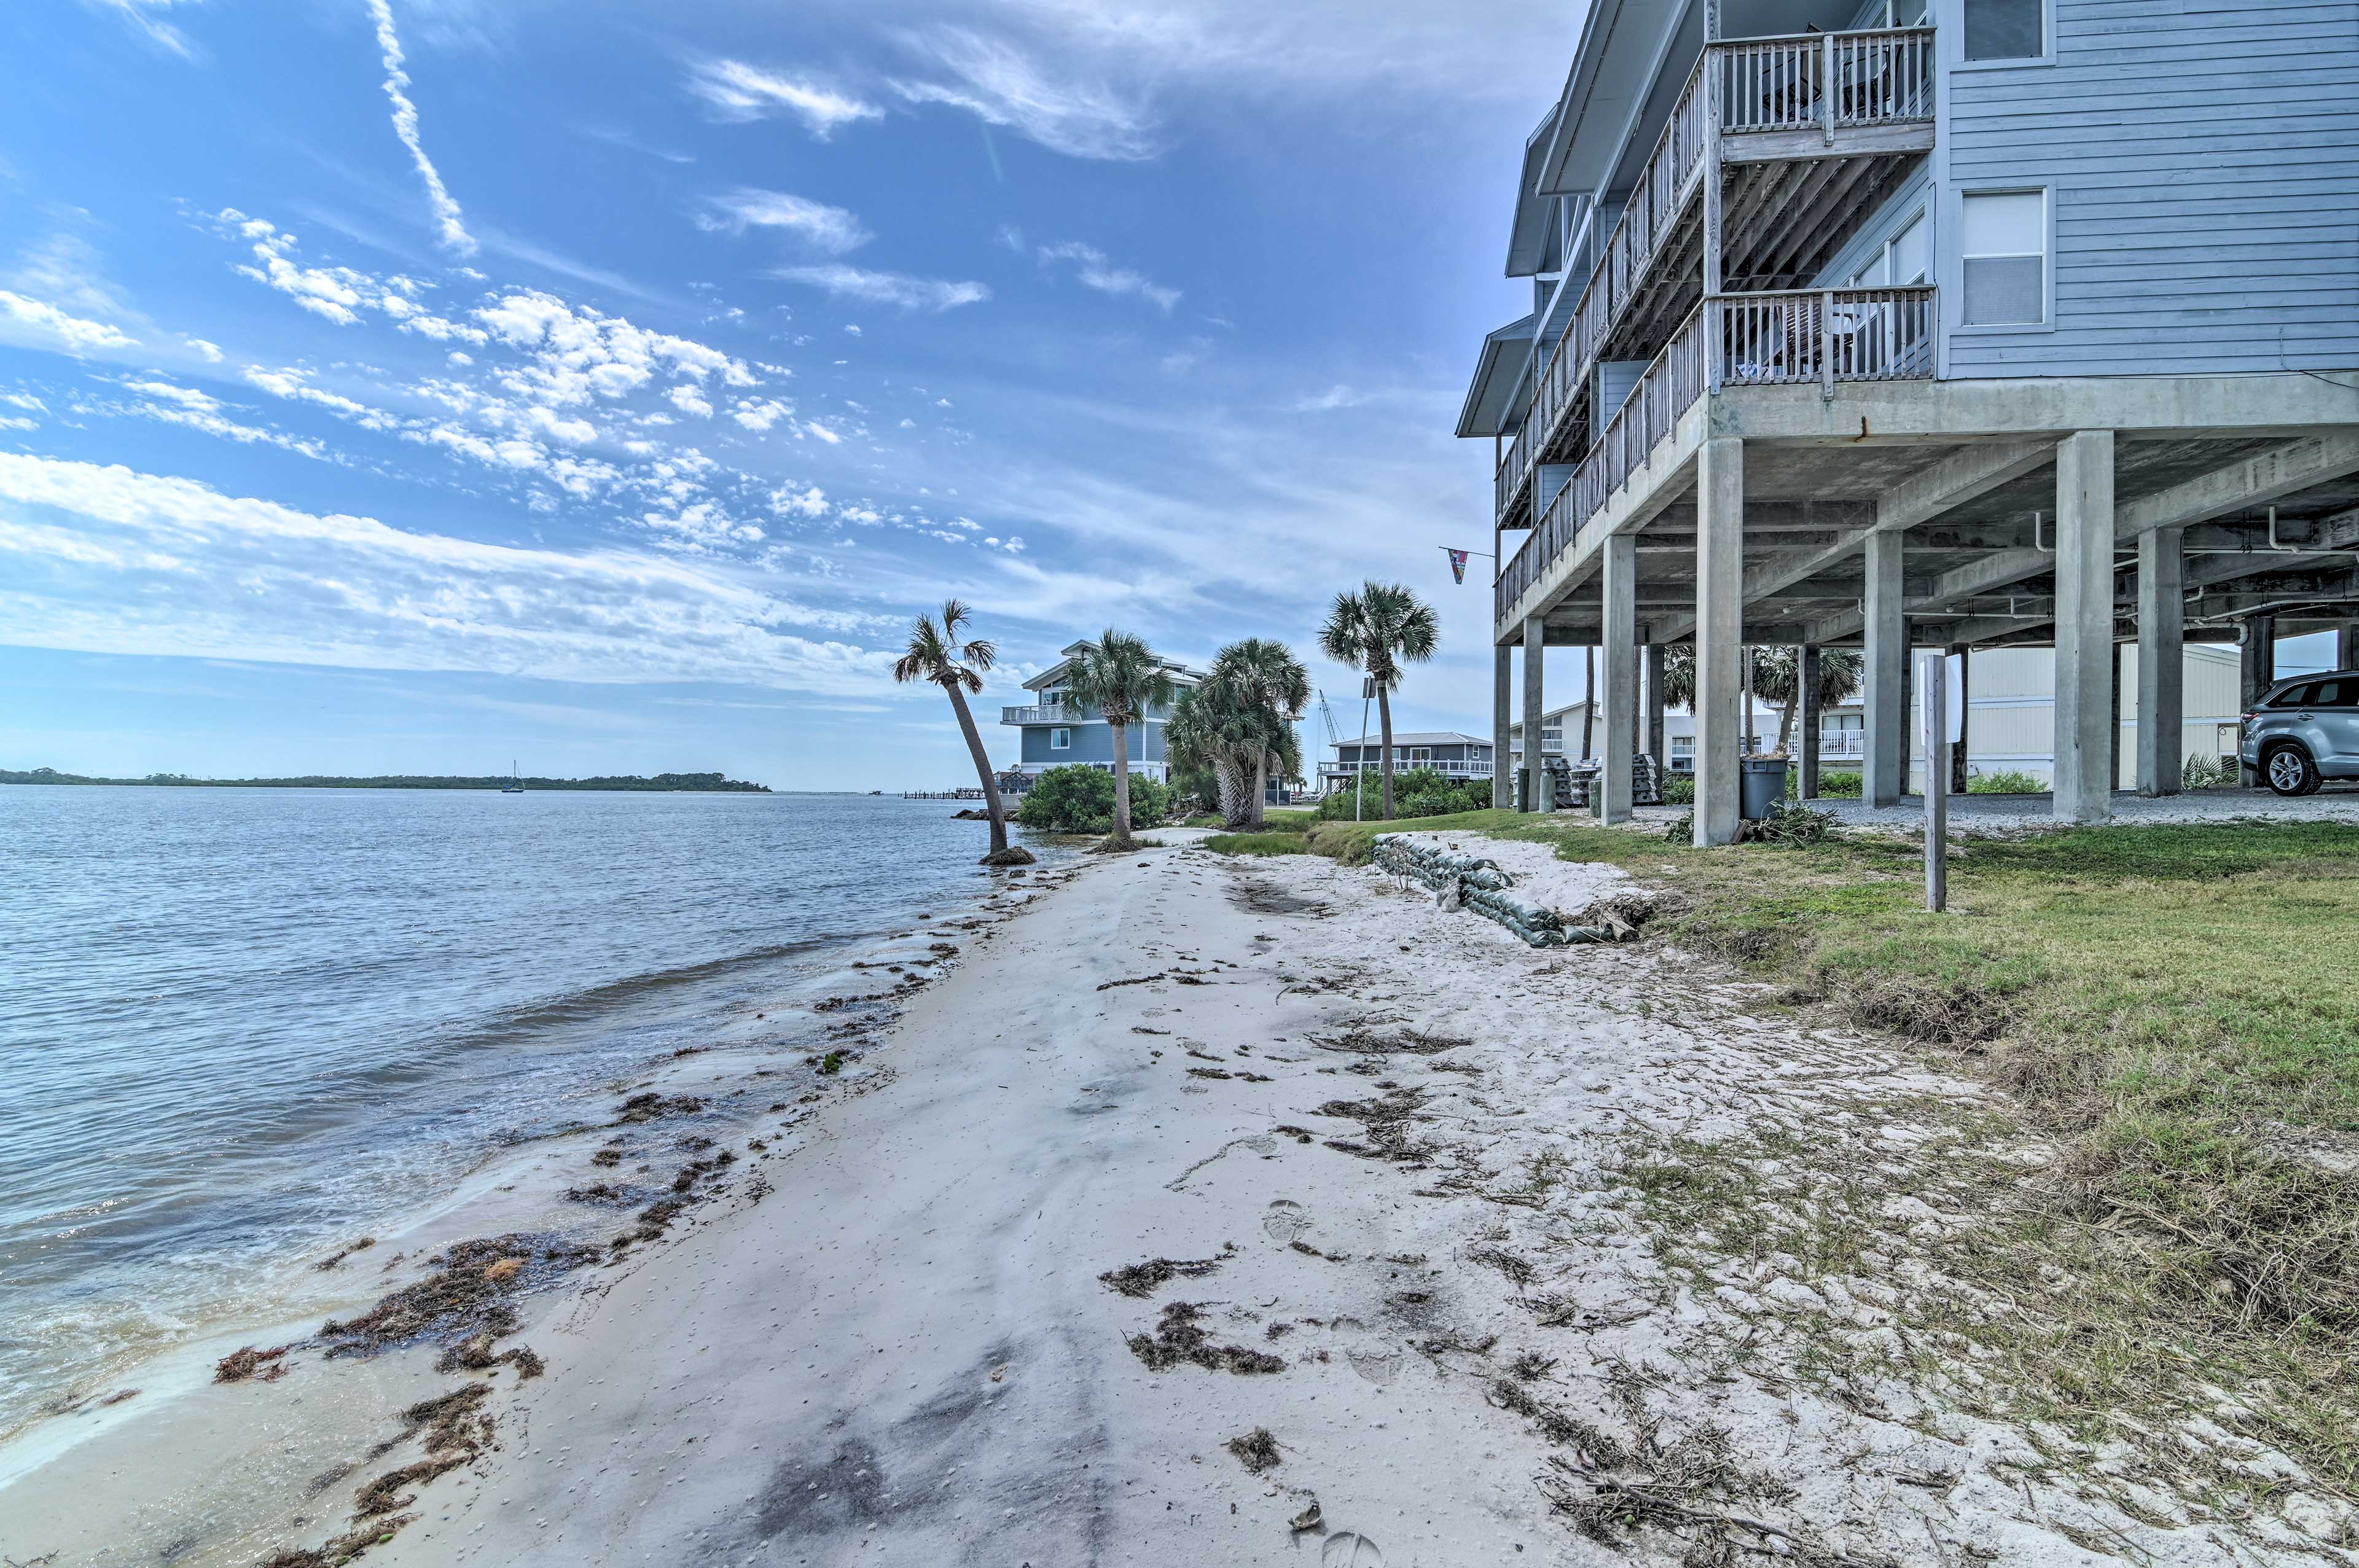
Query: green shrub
{"x": 1679, "y": 789}
{"x": 1078, "y": 798}
{"x": 2203, "y": 772}
{"x": 2004, "y": 782}
{"x": 1416, "y": 792}
{"x": 1844, "y": 786}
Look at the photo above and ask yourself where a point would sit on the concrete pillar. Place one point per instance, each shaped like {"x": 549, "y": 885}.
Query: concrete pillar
{"x": 1806, "y": 787}
{"x": 1538, "y": 793}
{"x": 1718, "y": 635}
{"x": 1503, "y": 717}
{"x": 2257, "y": 671}
{"x": 1957, "y": 765}
{"x": 2161, "y": 661}
{"x": 1619, "y": 564}
{"x": 2084, "y": 626}
{"x": 2346, "y": 646}
{"x": 1884, "y": 680}
{"x": 1655, "y": 741}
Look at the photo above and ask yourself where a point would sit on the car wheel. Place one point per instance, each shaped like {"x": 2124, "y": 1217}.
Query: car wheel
{"x": 2288, "y": 771}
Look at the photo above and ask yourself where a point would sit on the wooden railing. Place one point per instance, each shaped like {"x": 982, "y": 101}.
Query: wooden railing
{"x": 1045, "y": 713}
{"x": 1821, "y": 335}
{"x": 1882, "y": 77}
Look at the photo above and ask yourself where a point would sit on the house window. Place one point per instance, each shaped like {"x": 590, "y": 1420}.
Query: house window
{"x": 2004, "y": 239}
{"x": 2006, "y": 30}
{"x": 1419, "y": 756}
{"x": 1060, "y": 740}
{"x": 1901, "y": 261}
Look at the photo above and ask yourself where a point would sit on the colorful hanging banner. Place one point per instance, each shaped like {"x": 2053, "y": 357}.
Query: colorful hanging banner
{"x": 1458, "y": 565}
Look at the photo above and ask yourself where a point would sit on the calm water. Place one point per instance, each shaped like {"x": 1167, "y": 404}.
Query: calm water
{"x": 236, "y": 1024}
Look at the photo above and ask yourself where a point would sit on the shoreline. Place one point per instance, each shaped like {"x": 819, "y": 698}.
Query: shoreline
{"x": 1198, "y": 1150}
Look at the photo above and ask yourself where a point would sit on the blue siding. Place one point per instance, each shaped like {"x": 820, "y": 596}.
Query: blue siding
{"x": 2202, "y": 157}
{"x": 1091, "y": 744}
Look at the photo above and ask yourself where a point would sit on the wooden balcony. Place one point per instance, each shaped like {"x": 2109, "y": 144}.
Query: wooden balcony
{"x": 1044, "y": 713}
{"x": 1797, "y": 337}
{"x": 1779, "y": 148}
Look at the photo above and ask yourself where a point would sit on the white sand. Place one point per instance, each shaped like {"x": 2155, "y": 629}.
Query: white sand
{"x": 900, "y": 1352}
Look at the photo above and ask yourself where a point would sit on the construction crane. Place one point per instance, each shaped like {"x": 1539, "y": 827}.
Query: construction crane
{"x": 1333, "y": 738}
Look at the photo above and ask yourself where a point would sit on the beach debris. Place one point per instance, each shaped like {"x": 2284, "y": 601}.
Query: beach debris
{"x": 1141, "y": 980}
{"x": 116, "y": 1398}
{"x": 652, "y": 1107}
{"x": 1209, "y": 1073}
{"x": 246, "y": 1362}
{"x": 1309, "y": 1519}
{"x": 1142, "y": 1280}
{"x": 1386, "y": 1122}
{"x": 1479, "y": 885}
{"x": 1300, "y": 1134}
{"x": 609, "y": 1156}
{"x": 1347, "y": 1549}
{"x": 1177, "y": 1341}
{"x": 1518, "y": 1267}
{"x": 466, "y": 1295}
{"x": 1531, "y": 1366}
{"x": 475, "y": 1355}
{"x": 456, "y": 1431}
{"x": 1256, "y": 1450}
{"x": 362, "y": 1245}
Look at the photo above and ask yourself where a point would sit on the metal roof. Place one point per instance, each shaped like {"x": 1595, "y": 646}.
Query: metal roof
{"x": 1420, "y": 738}
{"x": 1495, "y": 399}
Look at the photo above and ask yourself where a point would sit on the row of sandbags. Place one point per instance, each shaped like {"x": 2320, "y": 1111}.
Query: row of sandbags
{"x": 1471, "y": 881}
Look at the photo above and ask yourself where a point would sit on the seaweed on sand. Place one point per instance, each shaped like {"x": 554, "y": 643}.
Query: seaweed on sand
{"x": 468, "y": 1296}
{"x": 1256, "y": 1450}
{"x": 1178, "y": 1341}
{"x": 245, "y": 1361}
{"x": 1141, "y": 1278}
{"x": 1388, "y": 1123}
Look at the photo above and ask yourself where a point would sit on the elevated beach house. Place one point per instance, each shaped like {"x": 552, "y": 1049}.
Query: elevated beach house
{"x": 1055, "y": 732}
{"x": 1445, "y": 752}
{"x": 1950, "y": 325}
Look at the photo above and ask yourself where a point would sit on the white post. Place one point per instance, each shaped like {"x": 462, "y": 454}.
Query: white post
{"x": 1886, "y": 676}
{"x": 2084, "y": 626}
{"x": 1719, "y": 636}
{"x": 1932, "y": 682}
{"x": 1621, "y": 650}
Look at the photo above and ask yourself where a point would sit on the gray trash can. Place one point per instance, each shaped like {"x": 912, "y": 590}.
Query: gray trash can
{"x": 1763, "y": 781}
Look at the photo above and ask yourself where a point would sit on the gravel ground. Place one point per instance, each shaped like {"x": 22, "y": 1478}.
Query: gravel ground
{"x": 2033, "y": 813}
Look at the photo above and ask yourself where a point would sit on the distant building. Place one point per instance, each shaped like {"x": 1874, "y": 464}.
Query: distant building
{"x": 1444, "y": 751}
{"x": 1839, "y": 738}
{"x": 1052, "y": 733}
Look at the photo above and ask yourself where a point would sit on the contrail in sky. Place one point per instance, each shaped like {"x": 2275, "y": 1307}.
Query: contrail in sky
{"x": 405, "y": 125}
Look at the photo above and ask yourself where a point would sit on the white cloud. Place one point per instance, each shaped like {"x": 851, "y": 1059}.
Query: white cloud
{"x": 809, "y": 502}
{"x": 292, "y": 383}
{"x": 742, "y": 91}
{"x": 1327, "y": 402}
{"x": 822, "y": 432}
{"x": 1094, "y": 270}
{"x": 852, "y": 328}
{"x": 163, "y": 565}
{"x": 210, "y": 352}
{"x": 1009, "y": 238}
{"x": 828, "y": 229}
{"x": 448, "y": 222}
{"x": 1001, "y": 85}
{"x": 148, "y": 16}
{"x": 688, "y": 400}
{"x": 36, "y": 324}
{"x": 23, "y": 400}
{"x": 886, "y": 288}
{"x": 760, "y": 414}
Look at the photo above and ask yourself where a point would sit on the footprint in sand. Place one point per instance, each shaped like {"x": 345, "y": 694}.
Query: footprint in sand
{"x": 1349, "y": 1549}
{"x": 1286, "y": 1220}
{"x": 1376, "y": 1363}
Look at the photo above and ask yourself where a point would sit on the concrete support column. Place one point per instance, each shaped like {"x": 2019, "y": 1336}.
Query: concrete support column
{"x": 1958, "y": 768}
{"x": 1718, "y": 635}
{"x": 2161, "y": 662}
{"x": 1538, "y": 793}
{"x": 1883, "y": 680}
{"x": 1655, "y": 741}
{"x": 2084, "y": 626}
{"x": 2257, "y": 671}
{"x": 2346, "y": 646}
{"x": 1620, "y": 623}
{"x": 1503, "y": 717}
{"x": 1807, "y": 743}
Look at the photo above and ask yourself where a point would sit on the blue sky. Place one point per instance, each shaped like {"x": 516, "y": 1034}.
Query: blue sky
{"x": 396, "y": 386}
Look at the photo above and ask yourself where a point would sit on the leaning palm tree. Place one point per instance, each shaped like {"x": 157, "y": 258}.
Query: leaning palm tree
{"x": 1274, "y": 690}
{"x": 1379, "y": 628}
{"x": 1122, "y": 679}
{"x": 941, "y": 654}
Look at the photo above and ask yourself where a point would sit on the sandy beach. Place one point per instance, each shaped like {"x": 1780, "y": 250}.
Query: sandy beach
{"x": 1368, "y": 1178}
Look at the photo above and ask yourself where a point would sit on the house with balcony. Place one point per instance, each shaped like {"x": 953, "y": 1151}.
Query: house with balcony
{"x": 1446, "y": 752}
{"x": 1053, "y": 731}
{"x": 1937, "y": 325}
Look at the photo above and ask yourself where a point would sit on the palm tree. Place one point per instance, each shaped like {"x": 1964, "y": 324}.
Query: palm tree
{"x": 1379, "y": 628}
{"x": 1275, "y": 689}
{"x": 1776, "y": 678}
{"x": 1209, "y": 728}
{"x": 1122, "y": 679}
{"x": 941, "y": 654}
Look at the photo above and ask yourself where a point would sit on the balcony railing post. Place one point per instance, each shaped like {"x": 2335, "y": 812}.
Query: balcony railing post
{"x": 1827, "y": 345}
{"x": 1827, "y": 91}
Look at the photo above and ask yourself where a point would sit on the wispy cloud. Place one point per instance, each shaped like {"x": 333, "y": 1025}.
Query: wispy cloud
{"x": 1094, "y": 270}
{"x": 825, "y": 228}
{"x": 741, "y": 92}
{"x": 886, "y": 288}
{"x": 36, "y": 324}
{"x": 148, "y": 16}
{"x": 1002, "y": 85}
{"x": 448, "y": 221}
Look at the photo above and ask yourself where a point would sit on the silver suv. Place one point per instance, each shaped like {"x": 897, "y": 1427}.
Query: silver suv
{"x": 2303, "y": 733}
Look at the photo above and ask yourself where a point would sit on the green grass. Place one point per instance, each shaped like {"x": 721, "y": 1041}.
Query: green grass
{"x": 1259, "y": 844}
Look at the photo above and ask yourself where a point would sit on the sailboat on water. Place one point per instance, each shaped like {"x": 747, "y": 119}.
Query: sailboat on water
{"x": 516, "y": 780}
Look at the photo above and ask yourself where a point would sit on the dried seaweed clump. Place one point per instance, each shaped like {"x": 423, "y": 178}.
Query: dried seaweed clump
{"x": 475, "y": 1355}
{"x": 1141, "y": 1280}
{"x": 466, "y": 1296}
{"x": 456, "y": 1431}
{"x": 652, "y": 1107}
{"x": 1256, "y": 1450}
{"x": 1178, "y": 1341}
{"x": 245, "y": 1361}
{"x": 1387, "y": 1121}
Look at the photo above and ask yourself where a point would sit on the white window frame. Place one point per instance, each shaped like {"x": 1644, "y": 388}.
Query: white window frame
{"x": 1060, "y": 740}
{"x": 2047, "y": 55}
{"x": 2047, "y": 322}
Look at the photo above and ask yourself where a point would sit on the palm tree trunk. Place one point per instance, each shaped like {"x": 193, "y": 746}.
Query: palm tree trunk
{"x": 982, "y": 769}
{"x": 1260, "y": 789}
{"x": 1588, "y": 698}
{"x": 1384, "y": 723}
{"x": 1785, "y": 722}
{"x": 1232, "y": 792}
{"x": 1121, "y": 781}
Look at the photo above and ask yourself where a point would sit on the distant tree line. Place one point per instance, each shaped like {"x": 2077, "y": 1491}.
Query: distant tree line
{"x": 710, "y": 784}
